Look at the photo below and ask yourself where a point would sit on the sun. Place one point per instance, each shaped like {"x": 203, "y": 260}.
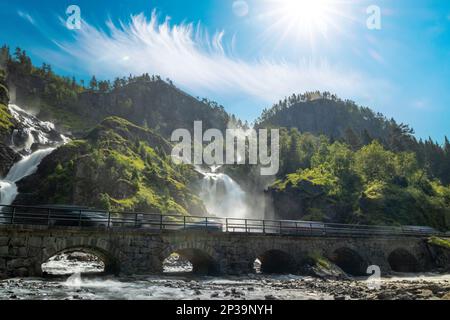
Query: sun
{"x": 306, "y": 16}
{"x": 305, "y": 19}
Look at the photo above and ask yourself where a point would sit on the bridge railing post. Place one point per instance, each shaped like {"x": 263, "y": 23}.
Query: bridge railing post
{"x": 206, "y": 224}
{"x": 79, "y": 218}
{"x": 109, "y": 219}
{"x": 13, "y": 215}
{"x": 281, "y": 227}
{"x": 226, "y": 225}
{"x": 48, "y": 216}
{"x": 136, "y": 220}
{"x": 184, "y": 222}
{"x": 246, "y": 226}
{"x": 264, "y": 226}
{"x": 161, "y": 221}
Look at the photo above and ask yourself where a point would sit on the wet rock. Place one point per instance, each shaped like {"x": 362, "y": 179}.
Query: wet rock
{"x": 235, "y": 292}
{"x": 425, "y": 293}
{"x": 270, "y": 297}
{"x": 446, "y": 296}
{"x": 383, "y": 296}
{"x": 81, "y": 256}
{"x": 404, "y": 297}
{"x": 7, "y": 159}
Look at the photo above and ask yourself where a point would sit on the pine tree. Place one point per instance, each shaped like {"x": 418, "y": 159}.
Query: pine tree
{"x": 352, "y": 139}
{"x": 366, "y": 138}
{"x": 93, "y": 83}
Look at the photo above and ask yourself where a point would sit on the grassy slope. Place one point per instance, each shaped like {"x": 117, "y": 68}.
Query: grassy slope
{"x": 444, "y": 243}
{"x": 118, "y": 166}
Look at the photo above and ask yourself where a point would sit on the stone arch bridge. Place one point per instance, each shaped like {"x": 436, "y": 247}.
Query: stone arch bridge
{"x": 24, "y": 248}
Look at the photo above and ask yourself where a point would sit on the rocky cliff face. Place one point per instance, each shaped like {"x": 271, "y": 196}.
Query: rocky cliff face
{"x": 117, "y": 166}
{"x": 148, "y": 103}
{"x": 440, "y": 251}
{"x": 7, "y": 159}
{"x": 304, "y": 201}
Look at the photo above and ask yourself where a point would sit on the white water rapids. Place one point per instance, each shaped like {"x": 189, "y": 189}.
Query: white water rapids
{"x": 33, "y": 131}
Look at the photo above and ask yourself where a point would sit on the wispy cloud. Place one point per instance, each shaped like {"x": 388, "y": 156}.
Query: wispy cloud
{"x": 26, "y": 16}
{"x": 376, "y": 56}
{"x": 201, "y": 63}
{"x": 421, "y": 104}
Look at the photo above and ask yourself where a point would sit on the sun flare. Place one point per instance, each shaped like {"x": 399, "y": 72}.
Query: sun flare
{"x": 303, "y": 18}
{"x": 306, "y": 15}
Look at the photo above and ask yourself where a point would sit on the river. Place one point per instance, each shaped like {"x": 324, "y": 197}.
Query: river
{"x": 251, "y": 287}
{"x": 185, "y": 286}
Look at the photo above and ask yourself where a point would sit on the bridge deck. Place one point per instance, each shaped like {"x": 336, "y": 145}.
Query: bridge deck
{"x": 88, "y": 218}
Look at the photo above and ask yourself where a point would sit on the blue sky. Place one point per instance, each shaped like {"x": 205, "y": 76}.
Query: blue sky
{"x": 248, "y": 54}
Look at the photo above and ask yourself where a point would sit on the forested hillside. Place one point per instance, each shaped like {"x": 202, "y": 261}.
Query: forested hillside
{"x": 344, "y": 163}
{"x": 329, "y": 181}
{"x": 76, "y": 107}
{"x": 342, "y": 120}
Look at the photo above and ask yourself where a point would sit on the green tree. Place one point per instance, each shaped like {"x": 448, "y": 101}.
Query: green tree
{"x": 374, "y": 163}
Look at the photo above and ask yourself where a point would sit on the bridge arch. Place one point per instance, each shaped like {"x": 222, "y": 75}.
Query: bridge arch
{"x": 95, "y": 246}
{"x": 111, "y": 264}
{"x": 203, "y": 258}
{"x": 350, "y": 261}
{"x": 401, "y": 260}
{"x": 275, "y": 261}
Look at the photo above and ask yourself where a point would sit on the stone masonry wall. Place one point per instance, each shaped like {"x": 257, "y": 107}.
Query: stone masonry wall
{"x": 24, "y": 249}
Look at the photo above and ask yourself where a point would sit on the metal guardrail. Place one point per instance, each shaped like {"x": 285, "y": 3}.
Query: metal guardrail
{"x": 85, "y": 218}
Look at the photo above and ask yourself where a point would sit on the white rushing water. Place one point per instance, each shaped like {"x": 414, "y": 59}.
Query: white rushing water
{"x": 32, "y": 131}
{"x": 223, "y": 197}
{"x": 24, "y": 168}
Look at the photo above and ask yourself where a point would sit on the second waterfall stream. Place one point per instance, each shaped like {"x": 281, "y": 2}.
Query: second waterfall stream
{"x": 32, "y": 133}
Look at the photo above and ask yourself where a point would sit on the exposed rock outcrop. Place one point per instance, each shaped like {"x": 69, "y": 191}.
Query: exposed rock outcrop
{"x": 296, "y": 202}
{"x": 440, "y": 252}
{"x": 7, "y": 159}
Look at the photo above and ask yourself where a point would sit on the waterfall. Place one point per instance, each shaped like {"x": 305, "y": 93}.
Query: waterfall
{"x": 28, "y": 165}
{"x": 8, "y": 192}
{"x": 223, "y": 197}
{"x": 24, "y": 168}
{"x": 32, "y": 131}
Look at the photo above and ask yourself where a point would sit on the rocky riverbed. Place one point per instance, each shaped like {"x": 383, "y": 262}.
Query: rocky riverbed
{"x": 259, "y": 287}
{"x": 76, "y": 277}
